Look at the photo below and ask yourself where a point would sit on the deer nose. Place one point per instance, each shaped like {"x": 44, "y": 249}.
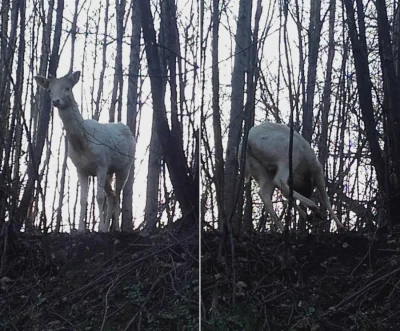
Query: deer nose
{"x": 56, "y": 102}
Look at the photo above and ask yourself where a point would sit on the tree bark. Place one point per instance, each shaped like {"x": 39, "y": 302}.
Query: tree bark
{"x": 37, "y": 149}
{"x": 326, "y": 97}
{"x": 364, "y": 85}
{"x": 151, "y": 211}
{"x": 242, "y": 41}
{"x": 219, "y": 158}
{"x": 186, "y": 190}
{"x": 134, "y": 65}
{"x": 104, "y": 63}
{"x": 116, "y": 97}
{"x": 65, "y": 159}
{"x": 314, "y": 35}
{"x": 391, "y": 103}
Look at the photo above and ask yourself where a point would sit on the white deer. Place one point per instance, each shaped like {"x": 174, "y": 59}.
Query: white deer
{"x": 96, "y": 149}
{"x": 267, "y": 161}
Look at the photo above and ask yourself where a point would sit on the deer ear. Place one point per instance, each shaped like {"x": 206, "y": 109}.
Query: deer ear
{"x": 42, "y": 82}
{"x": 74, "y": 77}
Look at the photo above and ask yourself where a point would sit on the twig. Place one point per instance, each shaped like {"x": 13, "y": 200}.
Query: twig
{"x": 147, "y": 298}
{"x": 3, "y": 264}
{"x": 268, "y": 300}
{"x": 106, "y": 302}
{"x": 366, "y": 254}
{"x": 359, "y": 292}
{"x": 63, "y": 318}
{"x": 117, "y": 270}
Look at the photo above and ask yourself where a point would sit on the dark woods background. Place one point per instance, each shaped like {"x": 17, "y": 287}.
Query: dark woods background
{"x": 138, "y": 63}
{"x": 335, "y": 64}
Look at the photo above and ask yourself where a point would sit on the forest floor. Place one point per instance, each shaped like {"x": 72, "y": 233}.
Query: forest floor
{"x": 330, "y": 281}
{"x": 107, "y": 282}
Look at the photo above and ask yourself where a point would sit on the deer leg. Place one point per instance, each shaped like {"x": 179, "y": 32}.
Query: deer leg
{"x": 101, "y": 183}
{"x": 320, "y": 183}
{"x": 265, "y": 192}
{"x": 83, "y": 182}
{"x": 110, "y": 198}
{"x": 281, "y": 181}
{"x": 120, "y": 180}
{"x": 301, "y": 211}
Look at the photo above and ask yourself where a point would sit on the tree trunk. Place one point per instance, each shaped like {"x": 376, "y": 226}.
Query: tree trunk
{"x": 324, "y": 142}
{"x": 151, "y": 211}
{"x": 65, "y": 159}
{"x": 14, "y": 139}
{"x": 391, "y": 102}
{"x": 360, "y": 51}
{"x": 37, "y": 149}
{"x": 314, "y": 34}
{"x": 252, "y": 80}
{"x": 7, "y": 126}
{"x": 242, "y": 41}
{"x": 326, "y": 97}
{"x": 134, "y": 65}
{"x": 302, "y": 89}
{"x": 62, "y": 187}
{"x": 5, "y": 63}
{"x": 43, "y": 67}
{"x": 219, "y": 158}
{"x": 104, "y": 63}
{"x": 396, "y": 39}
{"x": 173, "y": 44}
{"x": 186, "y": 191}
{"x": 116, "y": 96}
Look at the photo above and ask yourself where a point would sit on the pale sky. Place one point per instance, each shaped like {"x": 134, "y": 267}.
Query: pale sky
{"x": 82, "y": 92}
{"x": 270, "y": 69}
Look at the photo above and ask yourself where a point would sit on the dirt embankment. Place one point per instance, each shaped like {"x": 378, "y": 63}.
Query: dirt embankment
{"x": 101, "y": 282}
{"x": 328, "y": 282}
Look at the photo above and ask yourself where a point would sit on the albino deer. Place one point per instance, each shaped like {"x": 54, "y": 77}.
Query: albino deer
{"x": 267, "y": 161}
{"x": 96, "y": 149}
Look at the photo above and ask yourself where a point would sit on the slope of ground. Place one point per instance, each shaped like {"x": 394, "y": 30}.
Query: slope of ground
{"x": 98, "y": 282}
{"x": 326, "y": 282}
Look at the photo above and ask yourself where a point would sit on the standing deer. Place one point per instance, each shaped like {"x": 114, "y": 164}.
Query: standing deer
{"x": 96, "y": 149}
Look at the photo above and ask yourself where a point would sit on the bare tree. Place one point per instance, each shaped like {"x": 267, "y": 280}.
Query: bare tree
{"x": 37, "y": 148}
{"x": 151, "y": 211}
{"x": 131, "y": 114}
{"x": 104, "y": 62}
{"x": 242, "y": 42}
{"x": 314, "y": 33}
{"x": 326, "y": 97}
{"x": 64, "y": 165}
{"x": 219, "y": 158}
{"x": 391, "y": 83}
{"x": 116, "y": 97}
{"x": 169, "y": 40}
{"x": 8, "y": 51}
{"x": 186, "y": 189}
{"x": 364, "y": 85}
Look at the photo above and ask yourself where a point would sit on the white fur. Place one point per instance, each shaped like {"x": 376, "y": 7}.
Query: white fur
{"x": 267, "y": 161}
{"x": 96, "y": 149}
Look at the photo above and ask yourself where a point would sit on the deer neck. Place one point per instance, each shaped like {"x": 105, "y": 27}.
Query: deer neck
{"x": 72, "y": 119}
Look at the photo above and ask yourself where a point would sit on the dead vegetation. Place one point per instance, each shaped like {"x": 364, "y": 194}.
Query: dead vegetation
{"x": 328, "y": 282}
{"x": 101, "y": 282}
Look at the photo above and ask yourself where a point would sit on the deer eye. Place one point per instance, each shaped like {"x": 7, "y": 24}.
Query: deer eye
{"x": 67, "y": 89}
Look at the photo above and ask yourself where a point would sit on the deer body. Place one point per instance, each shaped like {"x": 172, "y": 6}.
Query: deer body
{"x": 267, "y": 161}
{"x": 96, "y": 149}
